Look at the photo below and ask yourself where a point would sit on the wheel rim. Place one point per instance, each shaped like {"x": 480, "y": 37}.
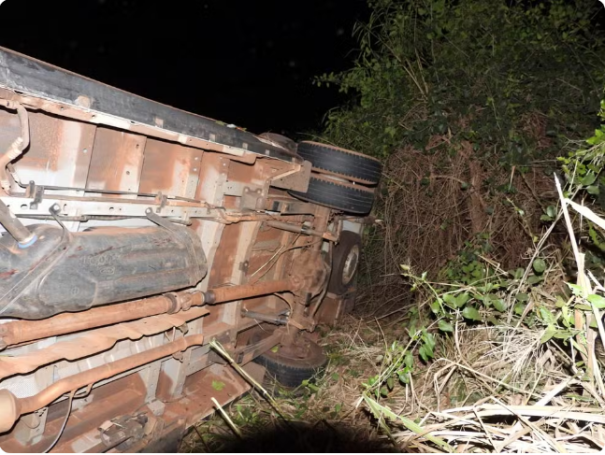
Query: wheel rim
{"x": 350, "y": 266}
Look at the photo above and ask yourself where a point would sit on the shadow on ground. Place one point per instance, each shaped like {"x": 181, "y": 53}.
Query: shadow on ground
{"x": 305, "y": 438}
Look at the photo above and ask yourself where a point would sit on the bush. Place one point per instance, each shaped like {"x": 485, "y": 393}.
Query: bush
{"x": 469, "y": 102}
{"x": 511, "y": 77}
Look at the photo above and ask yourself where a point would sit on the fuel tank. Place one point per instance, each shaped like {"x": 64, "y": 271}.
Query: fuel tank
{"x": 67, "y": 272}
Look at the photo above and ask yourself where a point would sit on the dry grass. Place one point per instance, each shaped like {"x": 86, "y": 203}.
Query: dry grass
{"x": 435, "y": 200}
{"x": 512, "y": 393}
{"x": 321, "y": 417}
{"x": 508, "y": 393}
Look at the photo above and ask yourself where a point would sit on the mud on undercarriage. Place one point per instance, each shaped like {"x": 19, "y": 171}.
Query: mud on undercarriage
{"x": 134, "y": 235}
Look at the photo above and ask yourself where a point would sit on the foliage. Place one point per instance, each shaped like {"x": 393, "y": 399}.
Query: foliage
{"x": 583, "y": 168}
{"x": 469, "y": 102}
{"x": 475, "y": 291}
{"x": 490, "y": 72}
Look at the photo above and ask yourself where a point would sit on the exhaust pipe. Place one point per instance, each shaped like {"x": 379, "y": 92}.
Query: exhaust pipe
{"x": 12, "y": 408}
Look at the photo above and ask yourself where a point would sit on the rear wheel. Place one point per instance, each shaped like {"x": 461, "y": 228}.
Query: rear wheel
{"x": 291, "y": 371}
{"x": 337, "y": 194}
{"x": 353, "y": 166}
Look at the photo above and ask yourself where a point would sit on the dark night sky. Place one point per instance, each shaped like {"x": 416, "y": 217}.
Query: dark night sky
{"x": 241, "y": 61}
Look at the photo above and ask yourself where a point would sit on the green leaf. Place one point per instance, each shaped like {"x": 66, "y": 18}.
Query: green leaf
{"x": 575, "y": 289}
{"x": 471, "y": 313}
{"x": 593, "y": 189}
{"x": 546, "y": 315}
{"x": 539, "y": 265}
{"x": 390, "y": 383}
{"x": 596, "y": 300}
{"x": 445, "y": 326}
{"x": 312, "y": 387}
{"x": 450, "y": 300}
{"x": 522, "y": 297}
{"x": 408, "y": 360}
{"x": 548, "y": 334}
{"x": 499, "y": 305}
{"x": 563, "y": 334}
{"x": 461, "y": 299}
{"x": 551, "y": 211}
{"x": 519, "y": 309}
{"x": 404, "y": 377}
{"x": 587, "y": 179}
{"x": 535, "y": 279}
{"x": 560, "y": 303}
{"x": 428, "y": 339}
{"x": 218, "y": 385}
{"x": 426, "y": 352}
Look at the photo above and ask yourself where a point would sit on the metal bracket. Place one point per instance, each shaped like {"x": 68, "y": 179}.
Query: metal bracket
{"x": 161, "y": 201}
{"x": 252, "y": 199}
{"x": 297, "y": 180}
{"x": 243, "y": 266}
{"x": 158, "y": 219}
{"x": 289, "y": 206}
{"x": 36, "y": 193}
{"x": 122, "y": 429}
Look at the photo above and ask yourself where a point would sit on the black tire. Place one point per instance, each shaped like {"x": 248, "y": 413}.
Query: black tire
{"x": 281, "y": 140}
{"x": 291, "y": 372}
{"x": 345, "y": 262}
{"x": 338, "y": 195}
{"x": 354, "y": 166}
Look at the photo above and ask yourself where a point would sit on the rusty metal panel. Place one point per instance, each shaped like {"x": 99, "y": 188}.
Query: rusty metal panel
{"x": 213, "y": 175}
{"x": 222, "y": 268}
{"x": 117, "y": 160}
{"x": 172, "y": 169}
{"x": 55, "y": 142}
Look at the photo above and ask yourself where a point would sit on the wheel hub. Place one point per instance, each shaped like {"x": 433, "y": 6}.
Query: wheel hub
{"x": 350, "y": 267}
